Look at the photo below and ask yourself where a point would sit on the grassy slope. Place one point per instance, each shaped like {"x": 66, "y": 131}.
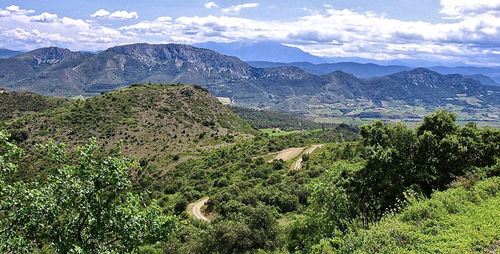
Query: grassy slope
{"x": 156, "y": 122}
{"x": 458, "y": 220}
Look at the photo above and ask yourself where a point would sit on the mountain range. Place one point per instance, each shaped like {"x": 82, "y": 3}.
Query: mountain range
{"x": 272, "y": 54}
{"x": 272, "y": 51}
{"x": 5, "y": 53}
{"x": 370, "y": 70}
{"x": 61, "y": 72}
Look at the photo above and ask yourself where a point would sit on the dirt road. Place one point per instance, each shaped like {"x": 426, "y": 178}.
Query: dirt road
{"x": 195, "y": 209}
{"x": 288, "y": 154}
{"x": 309, "y": 150}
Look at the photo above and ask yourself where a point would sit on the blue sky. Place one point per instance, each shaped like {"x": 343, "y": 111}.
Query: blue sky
{"x": 465, "y": 31}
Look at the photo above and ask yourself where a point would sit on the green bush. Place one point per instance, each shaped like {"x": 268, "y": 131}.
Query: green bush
{"x": 454, "y": 221}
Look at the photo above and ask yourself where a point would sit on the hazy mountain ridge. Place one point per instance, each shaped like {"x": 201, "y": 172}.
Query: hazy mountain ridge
{"x": 359, "y": 70}
{"x": 370, "y": 70}
{"x": 6, "y": 53}
{"x": 53, "y": 71}
{"x": 491, "y": 72}
{"x": 261, "y": 51}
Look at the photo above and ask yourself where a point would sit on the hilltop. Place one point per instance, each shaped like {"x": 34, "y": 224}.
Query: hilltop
{"x": 158, "y": 123}
{"x": 18, "y": 104}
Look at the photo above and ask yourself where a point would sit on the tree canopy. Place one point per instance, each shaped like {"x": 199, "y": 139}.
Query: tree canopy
{"x": 84, "y": 206}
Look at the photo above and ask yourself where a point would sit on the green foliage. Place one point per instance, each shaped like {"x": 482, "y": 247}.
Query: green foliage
{"x": 428, "y": 158}
{"x": 85, "y": 205}
{"x": 393, "y": 160}
{"x": 455, "y": 221}
{"x": 331, "y": 211}
{"x": 275, "y": 132}
{"x": 256, "y": 228}
{"x": 263, "y": 119}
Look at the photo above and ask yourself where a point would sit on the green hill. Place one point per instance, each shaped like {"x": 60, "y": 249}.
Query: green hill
{"x": 158, "y": 123}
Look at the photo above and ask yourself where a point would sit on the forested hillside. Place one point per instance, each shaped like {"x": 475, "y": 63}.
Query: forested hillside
{"x": 263, "y": 119}
{"x": 329, "y": 191}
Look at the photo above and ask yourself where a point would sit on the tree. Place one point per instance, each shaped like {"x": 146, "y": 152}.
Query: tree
{"x": 389, "y": 169}
{"x": 85, "y": 205}
{"x": 429, "y": 158}
{"x": 249, "y": 229}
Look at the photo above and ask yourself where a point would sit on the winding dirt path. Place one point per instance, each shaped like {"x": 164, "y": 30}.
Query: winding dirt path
{"x": 288, "y": 154}
{"x": 309, "y": 150}
{"x": 195, "y": 209}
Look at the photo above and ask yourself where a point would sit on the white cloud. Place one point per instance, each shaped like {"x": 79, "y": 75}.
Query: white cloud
{"x": 36, "y": 35}
{"x": 123, "y": 15}
{"x": 21, "y": 30}
{"x": 101, "y": 13}
{"x": 115, "y": 15}
{"x": 238, "y": 8}
{"x": 45, "y": 18}
{"x": 15, "y": 9}
{"x": 4, "y": 13}
{"x": 467, "y": 8}
{"x": 164, "y": 19}
{"x": 210, "y": 5}
{"x": 12, "y": 8}
{"x": 471, "y": 36}
{"x": 342, "y": 33}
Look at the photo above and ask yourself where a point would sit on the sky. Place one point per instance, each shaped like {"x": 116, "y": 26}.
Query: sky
{"x": 465, "y": 31}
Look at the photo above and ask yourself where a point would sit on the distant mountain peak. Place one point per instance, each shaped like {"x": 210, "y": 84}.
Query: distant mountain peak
{"x": 262, "y": 51}
{"x": 422, "y": 70}
{"x": 52, "y": 55}
{"x": 154, "y": 54}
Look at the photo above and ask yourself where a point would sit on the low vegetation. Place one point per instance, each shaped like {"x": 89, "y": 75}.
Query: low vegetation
{"x": 459, "y": 220}
{"x": 263, "y": 119}
{"x": 18, "y": 104}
